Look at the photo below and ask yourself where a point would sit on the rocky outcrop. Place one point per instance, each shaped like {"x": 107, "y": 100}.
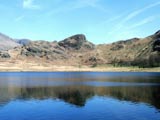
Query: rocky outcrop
{"x": 121, "y": 44}
{"x": 77, "y": 42}
{"x": 44, "y": 49}
{"x": 4, "y": 55}
{"x": 156, "y": 45}
{"x": 157, "y": 33}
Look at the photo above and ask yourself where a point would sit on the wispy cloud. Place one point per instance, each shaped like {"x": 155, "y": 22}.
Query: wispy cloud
{"x": 123, "y": 23}
{"x": 29, "y": 4}
{"x": 139, "y": 11}
{"x": 19, "y": 18}
{"x": 89, "y": 3}
{"x": 133, "y": 30}
{"x": 110, "y": 20}
{"x": 143, "y": 22}
{"x": 78, "y": 4}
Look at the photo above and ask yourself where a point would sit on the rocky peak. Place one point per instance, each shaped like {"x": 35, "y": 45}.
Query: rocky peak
{"x": 76, "y": 42}
{"x": 78, "y": 37}
{"x": 158, "y": 32}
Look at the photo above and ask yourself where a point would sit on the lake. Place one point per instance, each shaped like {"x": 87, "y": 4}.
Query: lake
{"x": 79, "y": 96}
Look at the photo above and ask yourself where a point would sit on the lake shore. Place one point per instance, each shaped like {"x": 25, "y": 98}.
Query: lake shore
{"x": 44, "y": 67}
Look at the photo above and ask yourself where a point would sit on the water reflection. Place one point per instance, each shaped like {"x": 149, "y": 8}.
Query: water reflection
{"x": 78, "y": 95}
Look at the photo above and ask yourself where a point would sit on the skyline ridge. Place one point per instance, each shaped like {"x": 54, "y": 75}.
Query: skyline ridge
{"x": 3, "y": 34}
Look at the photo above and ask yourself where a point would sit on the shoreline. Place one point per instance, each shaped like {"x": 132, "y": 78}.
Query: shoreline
{"x": 57, "y": 68}
{"x": 36, "y": 66}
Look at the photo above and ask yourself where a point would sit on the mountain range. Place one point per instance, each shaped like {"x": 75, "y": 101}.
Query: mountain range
{"x": 77, "y": 50}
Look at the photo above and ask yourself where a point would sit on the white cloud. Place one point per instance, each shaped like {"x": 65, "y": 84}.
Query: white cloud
{"x": 29, "y": 4}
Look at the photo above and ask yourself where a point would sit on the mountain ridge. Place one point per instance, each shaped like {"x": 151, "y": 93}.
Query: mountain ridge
{"x": 77, "y": 50}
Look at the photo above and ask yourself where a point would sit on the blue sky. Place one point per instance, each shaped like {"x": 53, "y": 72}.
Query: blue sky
{"x": 102, "y": 21}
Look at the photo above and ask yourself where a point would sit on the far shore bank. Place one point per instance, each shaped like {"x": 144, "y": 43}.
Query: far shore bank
{"x": 63, "y": 68}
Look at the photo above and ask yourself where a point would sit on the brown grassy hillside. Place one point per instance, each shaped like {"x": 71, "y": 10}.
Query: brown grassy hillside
{"x": 76, "y": 50}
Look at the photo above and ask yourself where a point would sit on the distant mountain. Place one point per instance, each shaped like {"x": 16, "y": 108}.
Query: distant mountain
{"x": 7, "y": 43}
{"x": 77, "y": 50}
{"x": 23, "y": 41}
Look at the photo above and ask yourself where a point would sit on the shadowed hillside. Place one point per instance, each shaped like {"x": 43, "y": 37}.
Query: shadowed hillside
{"x": 142, "y": 52}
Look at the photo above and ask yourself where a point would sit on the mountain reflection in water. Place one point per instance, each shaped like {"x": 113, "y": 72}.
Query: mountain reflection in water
{"x": 78, "y": 95}
{"x": 79, "y": 90}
